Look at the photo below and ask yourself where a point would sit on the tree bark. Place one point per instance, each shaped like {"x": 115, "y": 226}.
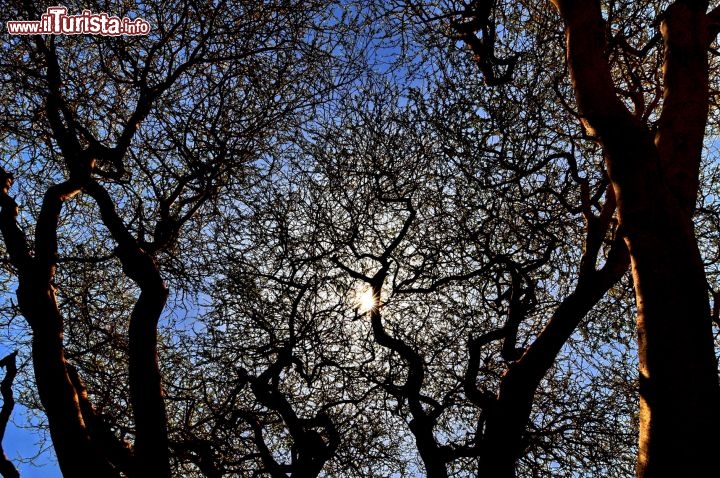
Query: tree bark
{"x": 655, "y": 181}
{"x": 76, "y": 453}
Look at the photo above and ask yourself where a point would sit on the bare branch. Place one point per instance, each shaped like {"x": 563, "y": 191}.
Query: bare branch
{"x": 7, "y": 468}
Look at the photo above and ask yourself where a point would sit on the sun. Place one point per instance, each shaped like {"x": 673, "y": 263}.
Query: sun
{"x": 365, "y": 300}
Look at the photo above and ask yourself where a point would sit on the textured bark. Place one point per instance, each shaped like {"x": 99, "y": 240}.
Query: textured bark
{"x": 655, "y": 181}
{"x": 76, "y": 453}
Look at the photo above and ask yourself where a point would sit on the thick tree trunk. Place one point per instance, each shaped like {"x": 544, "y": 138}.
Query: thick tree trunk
{"x": 655, "y": 181}
{"x": 151, "y": 448}
{"x": 679, "y": 394}
{"x": 146, "y": 392}
{"x": 76, "y": 454}
{"x": 432, "y": 456}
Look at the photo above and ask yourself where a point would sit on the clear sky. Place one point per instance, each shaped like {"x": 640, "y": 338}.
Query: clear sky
{"x": 21, "y": 443}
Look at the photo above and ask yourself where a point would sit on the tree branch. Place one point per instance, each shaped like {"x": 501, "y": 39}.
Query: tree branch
{"x": 15, "y": 239}
{"x": 7, "y": 469}
{"x": 147, "y": 398}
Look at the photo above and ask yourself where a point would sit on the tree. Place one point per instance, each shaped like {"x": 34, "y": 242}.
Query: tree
{"x": 651, "y": 129}
{"x": 314, "y": 239}
{"x": 86, "y": 108}
{"x": 410, "y": 219}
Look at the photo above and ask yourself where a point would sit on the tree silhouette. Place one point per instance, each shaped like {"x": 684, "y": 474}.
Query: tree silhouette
{"x": 339, "y": 238}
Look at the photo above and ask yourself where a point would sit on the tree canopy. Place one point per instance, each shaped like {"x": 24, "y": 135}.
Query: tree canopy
{"x": 363, "y": 239}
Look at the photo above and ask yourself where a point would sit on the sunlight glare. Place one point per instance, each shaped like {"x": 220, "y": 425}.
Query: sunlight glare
{"x": 365, "y": 300}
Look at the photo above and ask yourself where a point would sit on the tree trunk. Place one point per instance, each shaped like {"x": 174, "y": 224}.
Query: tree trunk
{"x": 679, "y": 393}
{"x": 146, "y": 393}
{"x": 656, "y": 181}
{"x": 76, "y": 454}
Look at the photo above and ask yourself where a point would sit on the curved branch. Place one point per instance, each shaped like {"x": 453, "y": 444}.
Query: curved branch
{"x": 147, "y": 398}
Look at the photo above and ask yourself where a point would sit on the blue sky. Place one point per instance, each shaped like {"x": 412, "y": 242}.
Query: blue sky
{"x": 22, "y": 443}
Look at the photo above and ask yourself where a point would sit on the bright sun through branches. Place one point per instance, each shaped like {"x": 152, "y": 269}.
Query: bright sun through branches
{"x": 365, "y": 300}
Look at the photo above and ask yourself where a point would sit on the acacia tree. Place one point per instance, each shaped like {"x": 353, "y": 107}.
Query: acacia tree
{"x": 486, "y": 223}
{"x": 421, "y": 220}
{"x": 286, "y": 376}
{"x": 640, "y": 77}
{"x": 134, "y": 133}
